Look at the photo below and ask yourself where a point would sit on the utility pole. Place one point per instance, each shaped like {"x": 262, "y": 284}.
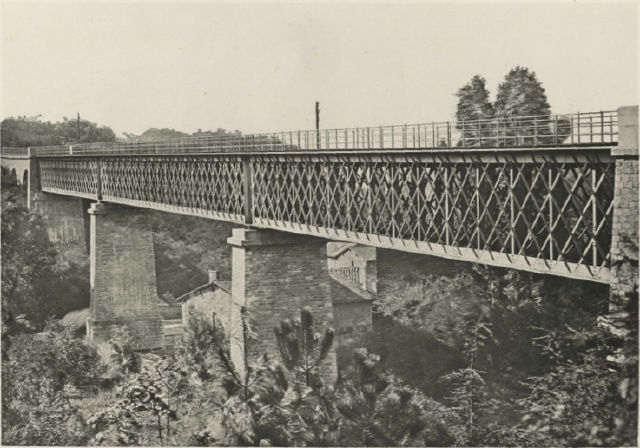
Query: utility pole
{"x": 317, "y": 124}
{"x": 78, "y": 129}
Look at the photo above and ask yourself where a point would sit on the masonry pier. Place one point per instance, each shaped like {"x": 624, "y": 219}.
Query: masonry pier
{"x": 275, "y": 275}
{"x": 123, "y": 276}
{"x": 624, "y": 237}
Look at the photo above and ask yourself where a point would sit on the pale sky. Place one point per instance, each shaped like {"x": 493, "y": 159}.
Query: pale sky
{"x": 261, "y": 67}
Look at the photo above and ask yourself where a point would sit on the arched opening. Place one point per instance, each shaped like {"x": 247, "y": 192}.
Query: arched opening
{"x": 25, "y": 178}
{"x": 13, "y": 177}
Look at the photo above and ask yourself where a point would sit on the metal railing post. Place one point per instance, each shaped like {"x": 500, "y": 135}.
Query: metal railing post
{"x": 464, "y": 136}
{"x": 511, "y": 210}
{"x": 99, "y": 179}
{"x": 247, "y": 190}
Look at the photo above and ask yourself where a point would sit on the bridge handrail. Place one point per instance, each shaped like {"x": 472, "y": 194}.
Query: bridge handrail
{"x": 14, "y": 151}
{"x": 533, "y": 131}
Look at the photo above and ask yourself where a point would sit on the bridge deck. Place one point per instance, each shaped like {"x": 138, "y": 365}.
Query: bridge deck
{"x": 532, "y": 193}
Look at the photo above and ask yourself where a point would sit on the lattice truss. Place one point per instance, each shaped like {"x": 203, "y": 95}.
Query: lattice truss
{"x": 77, "y": 176}
{"x": 552, "y": 206}
{"x": 206, "y": 185}
{"x": 545, "y": 206}
{"x": 209, "y": 185}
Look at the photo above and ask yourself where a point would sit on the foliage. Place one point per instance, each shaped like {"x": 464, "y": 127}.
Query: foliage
{"x": 302, "y": 349}
{"x": 36, "y": 373}
{"x": 262, "y": 406}
{"x": 145, "y": 399}
{"x": 378, "y": 409}
{"x": 473, "y": 105}
{"x": 584, "y": 399}
{"x": 198, "y": 347}
{"x": 25, "y": 131}
{"x": 36, "y": 281}
{"x": 123, "y": 357}
{"x": 185, "y": 248}
{"x": 521, "y": 94}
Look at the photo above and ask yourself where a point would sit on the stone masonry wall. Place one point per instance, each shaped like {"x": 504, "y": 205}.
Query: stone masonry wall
{"x": 624, "y": 243}
{"x": 123, "y": 276}
{"x": 65, "y": 218}
{"x": 275, "y": 280}
{"x": 624, "y": 238}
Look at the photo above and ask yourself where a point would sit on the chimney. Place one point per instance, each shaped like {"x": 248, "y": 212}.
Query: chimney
{"x": 213, "y": 275}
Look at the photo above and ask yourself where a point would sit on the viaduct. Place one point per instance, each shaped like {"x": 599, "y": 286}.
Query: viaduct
{"x": 550, "y": 194}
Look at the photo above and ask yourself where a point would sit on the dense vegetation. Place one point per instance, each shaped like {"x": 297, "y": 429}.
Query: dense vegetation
{"x": 459, "y": 355}
{"x": 32, "y": 131}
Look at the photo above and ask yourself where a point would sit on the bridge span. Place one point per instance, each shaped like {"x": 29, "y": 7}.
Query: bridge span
{"x": 553, "y": 194}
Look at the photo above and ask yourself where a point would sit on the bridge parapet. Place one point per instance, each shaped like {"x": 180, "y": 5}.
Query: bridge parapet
{"x": 536, "y": 131}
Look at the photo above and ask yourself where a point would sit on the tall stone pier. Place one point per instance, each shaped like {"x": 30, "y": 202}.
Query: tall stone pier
{"x": 123, "y": 276}
{"x": 275, "y": 275}
{"x": 624, "y": 238}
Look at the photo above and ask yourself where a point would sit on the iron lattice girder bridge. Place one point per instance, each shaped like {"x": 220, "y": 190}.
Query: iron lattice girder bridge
{"x": 533, "y": 194}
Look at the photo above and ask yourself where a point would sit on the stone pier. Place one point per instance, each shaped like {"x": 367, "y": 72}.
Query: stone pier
{"x": 275, "y": 275}
{"x": 624, "y": 238}
{"x": 123, "y": 276}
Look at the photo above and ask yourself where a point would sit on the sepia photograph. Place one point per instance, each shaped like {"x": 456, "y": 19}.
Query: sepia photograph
{"x": 305, "y": 223}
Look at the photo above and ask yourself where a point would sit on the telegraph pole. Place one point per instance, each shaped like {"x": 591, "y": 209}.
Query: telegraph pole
{"x": 317, "y": 124}
{"x": 78, "y": 129}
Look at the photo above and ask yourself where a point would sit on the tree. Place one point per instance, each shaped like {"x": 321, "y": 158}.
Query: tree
{"x": 302, "y": 349}
{"x": 146, "y": 397}
{"x": 474, "y": 105}
{"x": 36, "y": 372}
{"x": 36, "y": 282}
{"x": 521, "y": 94}
{"x": 32, "y": 131}
{"x": 377, "y": 409}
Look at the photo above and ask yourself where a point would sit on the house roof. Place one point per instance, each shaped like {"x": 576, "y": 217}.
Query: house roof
{"x": 224, "y": 285}
{"x": 336, "y": 249}
{"x": 342, "y": 291}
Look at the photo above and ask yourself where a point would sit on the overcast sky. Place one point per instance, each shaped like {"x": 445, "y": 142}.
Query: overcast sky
{"x": 261, "y": 67}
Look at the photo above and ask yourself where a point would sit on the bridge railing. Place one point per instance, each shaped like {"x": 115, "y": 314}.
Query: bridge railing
{"x": 536, "y": 131}
{"x": 349, "y": 273}
{"x": 14, "y": 151}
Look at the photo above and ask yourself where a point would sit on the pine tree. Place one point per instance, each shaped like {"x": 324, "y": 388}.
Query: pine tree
{"x": 473, "y": 106}
{"x": 302, "y": 349}
{"x": 522, "y": 95}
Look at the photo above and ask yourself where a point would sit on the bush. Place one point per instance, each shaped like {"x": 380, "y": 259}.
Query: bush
{"x": 35, "y": 375}
{"x": 378, "y": 409}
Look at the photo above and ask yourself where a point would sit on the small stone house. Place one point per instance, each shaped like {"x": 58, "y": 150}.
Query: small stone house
{"x": 212, "y": 297}
{"x": 351, "y": 307}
